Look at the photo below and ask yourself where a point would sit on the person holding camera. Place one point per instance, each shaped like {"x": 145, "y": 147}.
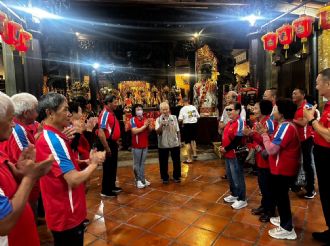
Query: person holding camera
{"x": 168, "y": 133}
{"x": 231, "y": 140}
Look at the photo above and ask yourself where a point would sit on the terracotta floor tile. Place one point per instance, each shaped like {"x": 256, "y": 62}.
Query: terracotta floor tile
{"x": 185, "y": 215}
{"x": 224, "y": 210}
{"x": 145, "y": 220}
{"x": 150, "y": 239}
{"x": 102, "y": 225}
{"x": 123, "y": 235}
{"x": 122, "y": 198}
{"x": 212, "y": 223}
{"x": 225, "y": 241}
{"x": 100, "y": 242}
{"x": 244, "y": 215}
{"x": 199, "y": 205}
{"x": 141, "y": 203}
{"x": 89, "y": 238}
{"x": 162, "y": 209}
{"x": 197, "y": 236}
{"x": 103, "y": 208}
{"x": 242, "y": 231}
{"x": 176, "y": 199}
{"x": 122, "y": 214}
{"x": 169, "y": 228}
{"x": 156, "y": 195}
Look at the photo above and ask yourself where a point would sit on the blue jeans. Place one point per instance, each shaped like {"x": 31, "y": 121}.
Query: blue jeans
{"x": 235, "y": 174}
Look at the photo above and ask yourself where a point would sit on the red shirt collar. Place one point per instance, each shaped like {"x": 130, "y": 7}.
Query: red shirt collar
{"x": 53, "y": 129}
{"x": 108, "y": 109}
{"x": 17, "y": 121}
{"x": 235, "y": 119}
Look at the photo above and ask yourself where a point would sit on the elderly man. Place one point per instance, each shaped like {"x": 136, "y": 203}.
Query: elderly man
{"x": 168, "y": 134}
{"x": 231, "y": 97}
{"x": 322, "y": 149}
{"x": 63, "y": 191}
{"x": 17, "y": 226}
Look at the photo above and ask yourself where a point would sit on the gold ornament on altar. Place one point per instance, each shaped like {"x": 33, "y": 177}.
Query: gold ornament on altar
{"x": 79, "y": 89}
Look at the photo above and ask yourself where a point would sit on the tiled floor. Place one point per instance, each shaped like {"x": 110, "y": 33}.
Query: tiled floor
{"x": 190, "y": 213}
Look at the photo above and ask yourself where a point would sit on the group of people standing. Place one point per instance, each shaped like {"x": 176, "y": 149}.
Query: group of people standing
{"x": 56, "y": 156}
{"x": 51, "y": 147}
{"x": 284, "y": 131}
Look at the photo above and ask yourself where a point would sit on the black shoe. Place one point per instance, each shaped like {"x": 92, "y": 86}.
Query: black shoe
{"x": 85, "y": 224}
{"x": 166, "y": 181}
{"x": 322, "y": 236}
{"x": 265, "y": 218}
{"x": 224, "y": 176}
{"x": 117, "y": 190}
{"x": 111, "y": 194}
{"x": 258, "y": 211}
{"x": 177, "y": 180}
{"x": 310, "y": 195}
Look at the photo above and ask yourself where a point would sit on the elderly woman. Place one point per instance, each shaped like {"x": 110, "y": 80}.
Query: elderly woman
{"x": 168, "y": 132}
{"x": 231, "y": 139}
{"x": 262, "y": 111}
{"x": 62, "y": 188}
{"x": 284, "y": 161}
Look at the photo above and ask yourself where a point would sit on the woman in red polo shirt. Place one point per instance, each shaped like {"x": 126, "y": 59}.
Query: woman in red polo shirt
{"x": 284, "y": 160}
{"x": 322, "y": 149}
{"x": 140, "y": 127}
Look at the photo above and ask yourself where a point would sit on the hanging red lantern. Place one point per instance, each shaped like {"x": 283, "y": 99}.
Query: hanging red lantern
{"x": 3, "y": 19}
{"x": 324, "y": 14}
{"x": 24, "y": 41}
{"x": 285, "y": 36}
{"x": 11, "y": 33}
{"x": 303, "y": 27}
{"x": 270, "y": 41}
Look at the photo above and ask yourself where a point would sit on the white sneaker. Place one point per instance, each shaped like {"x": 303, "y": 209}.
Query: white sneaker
{"x": 140, "y": 185}
{"x": 230, "y": 199}
{"x": 239, "y": 204}
{"x": 276, "y": 221}
{"x": 280, "y": 233}
{"x": 146, "y": 182}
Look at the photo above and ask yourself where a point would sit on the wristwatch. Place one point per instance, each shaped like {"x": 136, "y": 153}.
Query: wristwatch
{"x": 311, "y": 122}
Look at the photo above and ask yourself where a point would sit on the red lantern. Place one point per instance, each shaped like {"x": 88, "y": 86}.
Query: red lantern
{"x": 285, "y": 36}
{"x": 324, "y": 14}
{"x": 303, "y": 27}
{"x": 11, "y": 33}
{"x": 3, "y": 19}
{"x": 270, "y": 41}
{"x": 24, "y": 41}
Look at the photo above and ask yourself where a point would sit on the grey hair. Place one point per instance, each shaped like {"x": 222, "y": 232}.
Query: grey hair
{"x": 24, "y": 102}
{"x": 163, "y": 104}
{"x": 5, "y": 104}
{"x": 51, "y": 101}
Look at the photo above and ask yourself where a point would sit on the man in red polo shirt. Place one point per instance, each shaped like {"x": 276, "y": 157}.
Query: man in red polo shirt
{"x": 109, "y": 134}
{"x": 140, "y": 127}
{"x": 63, "y": 191}
{"x": 322, "y": 149}
{"x": 17, "y": 226}
{"x": 306, "y": 139}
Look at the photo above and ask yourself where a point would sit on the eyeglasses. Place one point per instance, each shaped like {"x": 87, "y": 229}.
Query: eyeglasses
{"x": 229, "y": 109}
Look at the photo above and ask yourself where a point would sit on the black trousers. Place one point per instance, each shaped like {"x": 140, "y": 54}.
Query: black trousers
{"x": 163, "y": 155}
{"x": 110, "y": 169}
{"x": 306, "y": 147}
{"x": 280, "y": 189}
{"x": 321, "y": 158}
{"x": 264, "y": 181}
{"x": 71, "y": 237}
